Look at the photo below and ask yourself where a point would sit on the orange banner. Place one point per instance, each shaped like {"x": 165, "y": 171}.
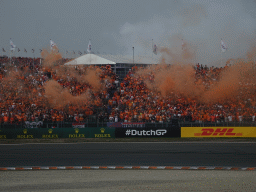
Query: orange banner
{"x": 218, "y": 131}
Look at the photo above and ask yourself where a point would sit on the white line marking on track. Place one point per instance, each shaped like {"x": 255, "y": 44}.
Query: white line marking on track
{"x": 111, "y": 167}
{"x": 160, "y": 167}
{"x": 144, "y": 167}
{"x": 95, "y": 167}
{"x": 27, "y": 168}
{"x": 78, "y": 167}
{"x": 127, "y": 167}
{"x": 11, "y": 168}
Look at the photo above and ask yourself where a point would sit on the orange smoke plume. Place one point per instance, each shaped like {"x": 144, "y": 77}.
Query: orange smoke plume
{"x": 176, "y": 75}
{"x": 60, "y": 97}
{"x": 50, "y": 58}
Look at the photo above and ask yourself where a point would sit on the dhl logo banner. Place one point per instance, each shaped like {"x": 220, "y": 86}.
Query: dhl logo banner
{"x": 218, "y": 131}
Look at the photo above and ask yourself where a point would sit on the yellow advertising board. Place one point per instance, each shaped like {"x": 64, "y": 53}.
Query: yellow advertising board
{"x": 218, "y": 131}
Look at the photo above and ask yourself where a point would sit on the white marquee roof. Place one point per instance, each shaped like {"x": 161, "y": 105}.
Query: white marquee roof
{"x": 93, "y": 59}
{"x": 90, "y": 59}
{"x": 138, "y": 59}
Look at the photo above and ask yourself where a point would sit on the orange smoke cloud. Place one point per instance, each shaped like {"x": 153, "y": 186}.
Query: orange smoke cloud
{"x": 54, "y": 91}
{"x": 59, "y": 97}
{"x": 181, "y": 52}
{"x": 230, "y": 83}
{"x": 180, "y": 78}
{"x": 92, "y": 78}
{"x": 50, "y": 58}
{"x": 88, "y": 75}
{"x": 177, "y": 79}
{"x": 12, "y": 84}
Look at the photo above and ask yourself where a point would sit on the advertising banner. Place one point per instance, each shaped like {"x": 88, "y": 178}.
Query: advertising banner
{"x": 48, "y": 133}
{"x": 103, "y": 132}
{"x": 218, "y": 131}
{"x": 146, "y": 132}
{"x": 126, "y": 125}
{"x": 56, "y": 133}
{"x": 33, "y": 124}
{"x": 78, "y": 125}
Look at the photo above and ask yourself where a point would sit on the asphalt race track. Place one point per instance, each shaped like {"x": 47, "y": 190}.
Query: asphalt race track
{"x": 129, "y": 154}
{"x": 127, "y": 180}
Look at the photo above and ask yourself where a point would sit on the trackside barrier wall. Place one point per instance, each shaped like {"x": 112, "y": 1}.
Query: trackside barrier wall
{"x": 147, "y": 132}
{"x": 55, "y": 133}
{"x": 218, "y": 131}
{"x": 104, "y": 132}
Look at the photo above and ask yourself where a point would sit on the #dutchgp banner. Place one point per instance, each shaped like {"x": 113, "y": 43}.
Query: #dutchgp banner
{"x": 146, "y": 132}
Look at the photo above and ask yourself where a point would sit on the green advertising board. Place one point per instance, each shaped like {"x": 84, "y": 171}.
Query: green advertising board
{"x": 55, "y": 133}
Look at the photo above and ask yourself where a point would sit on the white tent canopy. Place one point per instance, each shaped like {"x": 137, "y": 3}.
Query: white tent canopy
{"x": 138, "y": 59}
{"x": 90, "y": 59}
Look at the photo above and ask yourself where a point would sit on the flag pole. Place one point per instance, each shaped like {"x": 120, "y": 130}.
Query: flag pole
{"x": 90, "y": 53}
{"x": 133, "y": 54}
{"x": 221, "y": 53}
{"x": 10, "y": 58}
{"x": 221, "y": 58}
{"x": 10, "y": 53}
{"x": 33, "y": 60}
{"x": 152, "y": 49}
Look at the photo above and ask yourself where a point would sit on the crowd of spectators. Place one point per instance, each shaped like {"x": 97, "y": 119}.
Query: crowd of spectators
{"x": 22, "y": 97}
{"x": 135, "y": 102}
{"x": 22, "y": 94}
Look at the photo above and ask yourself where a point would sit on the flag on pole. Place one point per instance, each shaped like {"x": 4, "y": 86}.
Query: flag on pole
{"x": 89, "y": 47}
{"x": 52, "y": 44}
{"x": 3, "y": 50}
{"x": 155, "y": 49}
{"x": 182, "y": 44}
{"x": 223, "y": 46}
{"x": 25, "y": 50}
{"x": 12, "y": 48}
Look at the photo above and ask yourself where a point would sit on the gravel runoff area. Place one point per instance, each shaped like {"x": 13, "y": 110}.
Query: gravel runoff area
{"x": 128, "y": 180}
{"x": 81, "y": 140}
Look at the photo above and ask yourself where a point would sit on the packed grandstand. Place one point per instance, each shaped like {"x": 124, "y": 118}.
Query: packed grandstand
{"x": 32, "y": 89}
